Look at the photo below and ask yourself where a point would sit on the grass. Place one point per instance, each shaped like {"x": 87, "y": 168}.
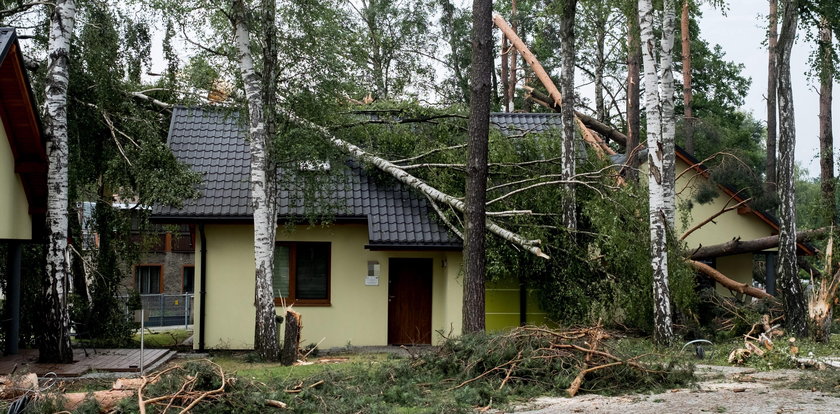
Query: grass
{"x": 165, "y": 339}
{"x": 241, "y": 365}
{"x": 718, "y": 352}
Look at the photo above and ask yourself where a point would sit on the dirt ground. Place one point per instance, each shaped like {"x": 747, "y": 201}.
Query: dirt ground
{"x": 721, "y": 390}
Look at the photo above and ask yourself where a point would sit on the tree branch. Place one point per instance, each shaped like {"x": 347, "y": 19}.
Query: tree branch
{"x": 412, "y": 181}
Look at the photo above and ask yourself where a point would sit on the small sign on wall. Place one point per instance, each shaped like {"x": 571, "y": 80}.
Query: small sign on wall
{"x": 372, "y": 278}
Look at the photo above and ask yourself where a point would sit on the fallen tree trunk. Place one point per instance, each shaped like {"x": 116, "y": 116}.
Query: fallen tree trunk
{"x": 738, "y": 246}
{"x": 727, "y": 282}
{"x": 404, "y": 177}
{"x": 587, "y": 120}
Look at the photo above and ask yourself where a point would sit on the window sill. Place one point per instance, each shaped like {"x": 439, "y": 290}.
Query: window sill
{"x": 306, "y": 304}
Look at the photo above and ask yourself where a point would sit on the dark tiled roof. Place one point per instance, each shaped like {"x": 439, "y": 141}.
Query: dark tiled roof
{"x": 7, "y": 38}
{"x": 516, "y": 123}
{"x": 213, "y": 143}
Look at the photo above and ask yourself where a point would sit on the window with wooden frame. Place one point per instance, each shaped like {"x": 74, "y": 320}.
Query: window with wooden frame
{"x": 148, "y": 279}
{"x": 302, "y": 273}
{"x": 188, "y": 278}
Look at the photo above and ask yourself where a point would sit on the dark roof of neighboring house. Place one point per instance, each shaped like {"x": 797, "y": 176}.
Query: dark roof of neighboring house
{"x": 515, "y": 122}
{"x": 19, "y": 113}
{"x": 213, "y": 143}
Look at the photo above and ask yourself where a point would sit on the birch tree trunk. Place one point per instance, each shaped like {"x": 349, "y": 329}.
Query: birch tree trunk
{"x": 658, "y": 219}
{"x": 826, "y": 135}
{"x": 634, "y": 52}
{"x": 514, "y": 57}
{"x": 567, "y": 113}
{"x": 770, "y": 172}
{"x": 789, "y": 284}
{"x": 476, "y": 186}
{"x": 669, "y": 123}
{"x": 688, "y": 115}
{"x": 263, "y": 179}
{"x": 54, "y": 344}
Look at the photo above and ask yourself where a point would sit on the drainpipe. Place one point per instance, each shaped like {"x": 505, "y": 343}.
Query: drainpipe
{"x": 202, "y": 294}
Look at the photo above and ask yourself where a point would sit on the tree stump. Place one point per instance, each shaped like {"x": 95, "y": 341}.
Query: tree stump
{"x": 291, "y": 338}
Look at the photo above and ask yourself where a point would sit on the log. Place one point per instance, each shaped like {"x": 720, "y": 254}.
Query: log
{"x": 291, "y": 338}
{"x": 738, "y": 246}
{"x": 107, "y": 399}
{"x": 727, "y": 282}
{"x": 12, "y": 387}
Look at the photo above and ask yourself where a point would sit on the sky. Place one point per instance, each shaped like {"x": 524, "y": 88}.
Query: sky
{"x": 741, "y": 33}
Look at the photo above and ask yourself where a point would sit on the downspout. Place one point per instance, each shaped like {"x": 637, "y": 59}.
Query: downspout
{"x": 202, "y": 293}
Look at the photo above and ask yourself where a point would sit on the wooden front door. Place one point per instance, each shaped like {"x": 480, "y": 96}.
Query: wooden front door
{"x": 409, "y": 301}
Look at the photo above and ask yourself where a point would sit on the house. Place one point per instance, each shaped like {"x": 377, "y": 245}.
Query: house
{"x": 383, "y": 272}
{"x": 23, "y": 168}
{"x": 508, "y": 304}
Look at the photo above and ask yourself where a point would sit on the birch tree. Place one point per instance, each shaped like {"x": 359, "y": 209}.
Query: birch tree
{"x": 54, "y": 345}
{"x": 659, "y": 106}
{"x": 789, "y": 284}
{"x": 260, "y": 102}
{"x": 567, "y": 89}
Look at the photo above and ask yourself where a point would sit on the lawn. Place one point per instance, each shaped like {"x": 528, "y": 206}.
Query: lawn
{"x": 243, "y": 365}
{"x": 165, "y": 339}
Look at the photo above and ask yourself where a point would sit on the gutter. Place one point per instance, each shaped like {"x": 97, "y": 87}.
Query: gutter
{"x": 202, "y": 293}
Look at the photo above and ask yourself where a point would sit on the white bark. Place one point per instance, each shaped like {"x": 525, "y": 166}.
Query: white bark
{"x": 411, "y": 181}
{"x": 657, "y": 179}
{"x": 666, "y": 100}
{"x": 262, "y": 194}
{"x": 789, "y": 284}
{"x": 56, "y": 340}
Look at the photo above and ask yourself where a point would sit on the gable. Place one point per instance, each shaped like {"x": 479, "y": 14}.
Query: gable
{"x": 24, "y": 178}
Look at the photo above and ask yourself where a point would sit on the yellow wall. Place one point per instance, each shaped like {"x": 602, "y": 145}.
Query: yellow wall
{"x": 358, "y": 314}
{"x": 502, "y": 306}
{"x": 15, "y": 222}
{"x": 724, "y": 228}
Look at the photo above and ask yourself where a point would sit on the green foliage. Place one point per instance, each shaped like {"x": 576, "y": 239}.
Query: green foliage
{"x": 465, "y": 373}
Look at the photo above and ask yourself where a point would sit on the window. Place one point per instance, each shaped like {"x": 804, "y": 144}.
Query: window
{"x": 189, "y": 279}
{"x": 148, "y": 279}
{"x": 302, "y": 273}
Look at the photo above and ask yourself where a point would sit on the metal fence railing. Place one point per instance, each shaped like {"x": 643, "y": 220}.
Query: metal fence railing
{"x": 167, "y": 309}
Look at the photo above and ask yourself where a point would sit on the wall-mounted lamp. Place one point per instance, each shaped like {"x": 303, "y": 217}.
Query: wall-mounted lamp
{"x": 443, "y": 263}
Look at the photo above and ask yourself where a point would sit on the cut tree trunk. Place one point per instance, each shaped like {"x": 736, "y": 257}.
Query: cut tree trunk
{"x": 770, "y": 172}
{"x": 790, "y": 287}
{"x": 291, "y": 338}
{"x": 54, "y": 339}
{"x": 475, "y": 254}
